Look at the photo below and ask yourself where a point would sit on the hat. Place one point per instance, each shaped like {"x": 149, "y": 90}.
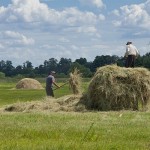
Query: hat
{"x": 53, "y": 72}
{"x": 129, "y": 43}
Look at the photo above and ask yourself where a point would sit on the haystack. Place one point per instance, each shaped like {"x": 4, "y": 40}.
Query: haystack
{"x": 28, "y": 83}
{"x": 117, "y": 88}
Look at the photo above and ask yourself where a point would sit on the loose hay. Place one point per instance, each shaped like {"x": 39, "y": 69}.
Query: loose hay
{"x": 116, "y": 88}
{"x": 28, "y": 83}
{"x": 66, "y": 103}
{"x": 75, "y": 81}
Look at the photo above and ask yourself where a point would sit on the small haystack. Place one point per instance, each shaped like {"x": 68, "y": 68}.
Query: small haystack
{"x": 75, "y": 81}
{"x": 28, "y": 83}
{"x": 116, "y": 88}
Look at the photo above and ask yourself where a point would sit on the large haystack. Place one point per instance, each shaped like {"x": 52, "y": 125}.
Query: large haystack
{"x": 28, "y": 83}
{"x": 116, "y": 88}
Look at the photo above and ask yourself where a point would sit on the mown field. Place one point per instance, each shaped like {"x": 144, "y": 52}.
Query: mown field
{"x": 122, "y": 130}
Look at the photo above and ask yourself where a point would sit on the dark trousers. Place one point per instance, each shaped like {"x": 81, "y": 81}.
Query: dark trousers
{"x": 130, "y": 61}
{"x": 49, "y": 91}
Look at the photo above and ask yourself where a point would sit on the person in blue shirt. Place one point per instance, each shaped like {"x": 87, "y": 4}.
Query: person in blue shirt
{"x": 50, "y": 81}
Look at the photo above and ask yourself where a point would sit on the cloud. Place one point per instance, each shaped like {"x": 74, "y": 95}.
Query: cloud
{"x": 96, "y": 3}
{"x": 33, "y": 11}
{"x": 31, "y": 27}
{"x": 136, "y": 15}
{"x": 17, "y": 38}
{"x": 89, "y": 30}
{"x": 1, "y": 46}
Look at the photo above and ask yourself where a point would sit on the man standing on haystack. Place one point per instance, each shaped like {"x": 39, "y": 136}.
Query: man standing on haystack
{"x": 130, "y": 55}
{"x": 50, "y": 80}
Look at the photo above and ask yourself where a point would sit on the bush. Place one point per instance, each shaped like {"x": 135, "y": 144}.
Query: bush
{"x": 2, "y": 75}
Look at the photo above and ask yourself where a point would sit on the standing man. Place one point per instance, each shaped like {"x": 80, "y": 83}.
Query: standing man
{"x": 50, "y": 80}
{"x": 131, "y": 54}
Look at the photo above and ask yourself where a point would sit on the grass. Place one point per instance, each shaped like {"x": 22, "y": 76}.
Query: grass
{"x": 122, "y": 130}
{"x": 88, "y": 131}
{"x": 9, "y": 95}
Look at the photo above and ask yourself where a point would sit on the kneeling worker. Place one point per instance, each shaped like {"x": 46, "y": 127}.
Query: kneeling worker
{"x": 50, "y": 80}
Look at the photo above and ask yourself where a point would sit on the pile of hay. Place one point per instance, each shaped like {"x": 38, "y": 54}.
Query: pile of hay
{"x": 117, "y": 88}
{"x": 67, "y": 103}
{"x": 75, "y": 81}
{"x": 28, "y": 83}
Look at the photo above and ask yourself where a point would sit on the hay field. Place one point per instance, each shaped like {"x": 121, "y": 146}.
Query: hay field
{"x": 10, "y": 95}
{"x": 42, "y": 130}
{"x": 66, "y": 131}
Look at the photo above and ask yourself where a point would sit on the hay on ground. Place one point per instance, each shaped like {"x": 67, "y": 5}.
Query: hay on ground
{"x": 116, "y": 88}
{"x": 67, "y": 103}
{"x": 28, "y": 83}
{"x": 75, "y": 81}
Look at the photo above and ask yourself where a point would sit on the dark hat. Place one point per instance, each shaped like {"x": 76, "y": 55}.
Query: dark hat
{"x": 129, "y": 43}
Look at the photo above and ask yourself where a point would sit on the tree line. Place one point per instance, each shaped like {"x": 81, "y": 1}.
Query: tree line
{"x": 64, "y": 66}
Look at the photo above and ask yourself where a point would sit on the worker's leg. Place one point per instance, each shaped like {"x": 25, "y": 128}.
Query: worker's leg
{"x": 133, "y": 61}
{"x": 129, "y": 60}
{"x": 49, "y": 91}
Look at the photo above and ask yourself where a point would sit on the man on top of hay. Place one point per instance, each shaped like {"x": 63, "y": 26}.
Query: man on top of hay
{"x": 50, "y": 80}
{"x": 131, "y": 54}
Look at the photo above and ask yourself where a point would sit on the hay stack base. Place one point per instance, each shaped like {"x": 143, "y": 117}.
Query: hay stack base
{"x": 28, "y": 83}
{"x": 117, "y": 88}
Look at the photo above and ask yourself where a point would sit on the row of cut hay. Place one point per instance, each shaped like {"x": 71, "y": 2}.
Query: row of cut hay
{"x": 117, "y": 88}
{"x": 67, "y": 103}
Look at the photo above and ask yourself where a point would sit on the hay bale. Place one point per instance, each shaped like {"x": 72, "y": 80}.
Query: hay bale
{"x": 28, "y": 83}
{"x": 75, "y": 81}
{"x": 117, "y": 88}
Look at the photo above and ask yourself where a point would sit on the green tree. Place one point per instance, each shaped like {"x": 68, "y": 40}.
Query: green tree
{"x": 81, "y": 61}
{"x": 83, "y": 70}
{"x": 9, "y": 69}
{"x": 64, "y": 65}
{"x": 100, "y": 61}
{"x": 18, "y": 70}
{"x": 50, "y": 65}
{"x": 2, "y": 65}
{"x": 27, "y": 68}
{"x": 146, "y": 60}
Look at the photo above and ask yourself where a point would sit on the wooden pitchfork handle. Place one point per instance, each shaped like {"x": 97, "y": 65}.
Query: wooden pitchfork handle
{"x": 61, "y": 85}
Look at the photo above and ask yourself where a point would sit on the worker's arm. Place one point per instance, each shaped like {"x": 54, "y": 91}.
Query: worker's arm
{"x": 56, "y": 84}
{"x": 137, "y": 53}
{"x": 126, "y": 53}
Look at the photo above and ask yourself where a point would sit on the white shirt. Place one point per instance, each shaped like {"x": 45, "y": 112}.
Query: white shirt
{"x": 131, "y": 50}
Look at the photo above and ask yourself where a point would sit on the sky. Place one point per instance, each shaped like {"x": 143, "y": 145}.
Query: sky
{"x": 37, "y": 30}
